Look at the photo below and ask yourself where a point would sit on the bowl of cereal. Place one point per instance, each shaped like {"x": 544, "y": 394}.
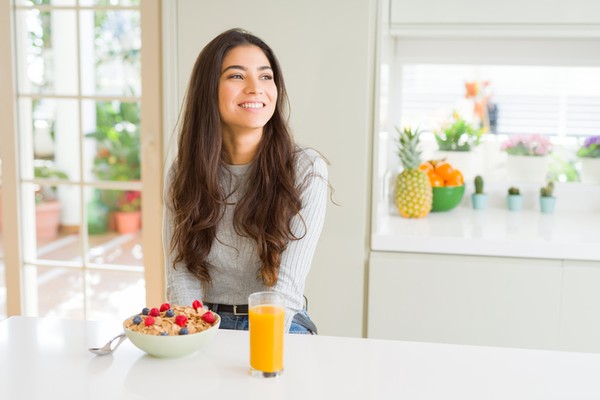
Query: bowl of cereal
{"x": 172, "y": 331}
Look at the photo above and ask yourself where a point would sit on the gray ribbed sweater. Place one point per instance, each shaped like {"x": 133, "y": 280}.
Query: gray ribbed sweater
{"x": 235, "y": 258}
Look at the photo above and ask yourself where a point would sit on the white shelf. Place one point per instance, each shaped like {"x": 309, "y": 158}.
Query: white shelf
{"x": 493, "y": 232}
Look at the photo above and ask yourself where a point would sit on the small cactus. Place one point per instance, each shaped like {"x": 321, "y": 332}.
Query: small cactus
{"x": 513, "y": 191}
{"x": 478, "y": 184}
{"x": 547, "y": 190}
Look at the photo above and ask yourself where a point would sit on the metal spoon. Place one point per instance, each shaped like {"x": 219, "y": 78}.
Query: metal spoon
{"x": 107, "y": 348}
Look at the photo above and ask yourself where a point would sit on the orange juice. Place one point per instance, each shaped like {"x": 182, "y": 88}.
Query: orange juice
{"x": 266, "y": 337}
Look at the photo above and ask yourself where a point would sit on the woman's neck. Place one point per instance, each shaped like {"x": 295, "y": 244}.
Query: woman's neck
{"x": 241, "y": 147}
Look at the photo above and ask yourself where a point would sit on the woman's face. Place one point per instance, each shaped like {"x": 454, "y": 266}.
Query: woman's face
{"x": 247, "y": 91}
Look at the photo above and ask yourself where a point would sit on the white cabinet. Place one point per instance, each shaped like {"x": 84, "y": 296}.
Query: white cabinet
{"x": 497, "y": 18}
{"x": 580, "y": 316}
{"x": 464, "y": 299}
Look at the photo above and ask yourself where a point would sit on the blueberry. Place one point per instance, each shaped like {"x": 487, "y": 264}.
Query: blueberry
{"x": 146, "y": 311}
{"x": 183, "y": 331}
{"x": 137, "y": 319}
{"x": 169, "y": 313}
{"x": 163, "y": 334}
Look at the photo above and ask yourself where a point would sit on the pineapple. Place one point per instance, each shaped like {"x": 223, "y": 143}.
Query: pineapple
{"x": 413, "y": 189}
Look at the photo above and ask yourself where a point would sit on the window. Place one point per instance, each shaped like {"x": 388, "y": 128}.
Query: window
{"x": 80, "y": 122}
{"x": 532, "y": 86}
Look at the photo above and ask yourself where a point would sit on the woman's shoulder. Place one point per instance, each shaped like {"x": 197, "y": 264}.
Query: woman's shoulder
{"x": 310, "y": 161}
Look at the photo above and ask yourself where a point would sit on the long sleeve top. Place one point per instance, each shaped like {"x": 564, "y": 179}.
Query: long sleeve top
{"x": 234, "y": 257}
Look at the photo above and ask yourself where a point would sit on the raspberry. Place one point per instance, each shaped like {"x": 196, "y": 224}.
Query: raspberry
{"x": 183, "y": 331}
{"x": 169, "y": 313}
{"x": 165, "y": 307}
{"x": 181, "y": 320}
{"x": 154, "y": 312}
{"x": 137, "y": 319}
{"x": 208, "y": 317}
{"x": 197, "y": 304}
{"x": 145, "y": 311}
{"x": 149, "y": 321}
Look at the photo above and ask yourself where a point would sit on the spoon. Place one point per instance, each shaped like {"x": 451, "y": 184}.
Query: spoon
{"x": 107, "y": 348}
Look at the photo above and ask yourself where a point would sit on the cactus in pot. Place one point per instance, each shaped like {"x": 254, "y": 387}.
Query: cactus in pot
{"x": 514, "y": 199}
{"x": 547, "y": 199}
{"x": 479, "y": 198}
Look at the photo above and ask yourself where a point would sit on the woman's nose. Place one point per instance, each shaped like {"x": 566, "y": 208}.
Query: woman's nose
{"x": 254, "y": 88}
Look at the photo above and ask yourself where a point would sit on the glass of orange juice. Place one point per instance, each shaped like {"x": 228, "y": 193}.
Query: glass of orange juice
{"x": 267, "y": 320}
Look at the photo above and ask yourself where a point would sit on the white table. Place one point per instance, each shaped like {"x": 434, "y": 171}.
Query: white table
{"x": 43, "y": 358}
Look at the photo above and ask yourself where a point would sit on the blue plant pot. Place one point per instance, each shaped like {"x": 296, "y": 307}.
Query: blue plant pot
{"x": 547, "y": 204}
{"x": 479, "y": 201}
{"x": 515, "y": 202}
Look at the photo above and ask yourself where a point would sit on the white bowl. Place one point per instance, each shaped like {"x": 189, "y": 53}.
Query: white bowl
{"x": 172, "y": 346}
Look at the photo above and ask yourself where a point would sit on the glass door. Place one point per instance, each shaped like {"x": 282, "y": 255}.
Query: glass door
{"x": 79, "y": 99}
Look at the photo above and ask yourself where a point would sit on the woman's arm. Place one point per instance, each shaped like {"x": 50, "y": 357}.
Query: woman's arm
{"x": 297, "y": 258}
{"x": 182, "y": 287}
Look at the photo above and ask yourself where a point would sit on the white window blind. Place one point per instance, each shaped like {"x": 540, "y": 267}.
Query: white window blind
{"x": 548, "y": 100}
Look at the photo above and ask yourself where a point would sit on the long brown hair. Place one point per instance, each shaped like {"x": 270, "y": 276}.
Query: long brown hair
{"x": 196, "y": 198}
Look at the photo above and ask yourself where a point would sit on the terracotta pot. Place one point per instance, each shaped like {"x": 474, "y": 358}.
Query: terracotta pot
{"x": 128, "y": 222}
{"x": 47, "y": 219}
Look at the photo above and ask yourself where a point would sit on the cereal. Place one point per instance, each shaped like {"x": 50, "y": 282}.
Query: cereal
{"x": 171, "y": 321}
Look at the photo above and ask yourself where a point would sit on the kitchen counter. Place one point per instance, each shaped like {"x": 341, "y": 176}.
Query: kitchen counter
{"x": 568, "y": 234}
{"x": 48, "y": 359}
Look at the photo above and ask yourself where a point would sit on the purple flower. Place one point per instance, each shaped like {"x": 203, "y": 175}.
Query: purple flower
{"x": 590, "y": 148}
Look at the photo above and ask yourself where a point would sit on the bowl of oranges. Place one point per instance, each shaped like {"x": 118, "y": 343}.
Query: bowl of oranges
{"x": 447, "y": 184}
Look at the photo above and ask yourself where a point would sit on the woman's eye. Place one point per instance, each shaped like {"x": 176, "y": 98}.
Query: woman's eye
{"x": 236, "y": 76}
{"x": 267, "y": 77}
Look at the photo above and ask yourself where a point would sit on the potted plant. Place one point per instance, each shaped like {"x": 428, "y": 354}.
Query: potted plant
{"x": 527, "y": 157}
{"x": 547, "y": 200}
{"x": 589, "y": 154}
{"x": 479, "y": 198}
{"x": 456, "y": 141}
{"x": 47, "y": 206}
{"x": 514, "y": 199}
{"x": 458, "y": 135}
{"x": 128, "y": 215}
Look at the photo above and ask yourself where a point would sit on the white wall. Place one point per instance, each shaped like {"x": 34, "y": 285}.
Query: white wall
{"x": 326, "y": 49}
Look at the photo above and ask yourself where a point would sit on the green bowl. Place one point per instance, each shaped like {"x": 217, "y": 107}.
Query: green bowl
{"x": 446, "y": 198}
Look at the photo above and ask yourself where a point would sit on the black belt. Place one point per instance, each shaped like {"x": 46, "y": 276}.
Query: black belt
{"x": 226, "y": 308}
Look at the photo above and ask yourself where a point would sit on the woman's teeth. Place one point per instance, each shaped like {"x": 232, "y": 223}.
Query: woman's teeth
{"x": 251, "y": 105}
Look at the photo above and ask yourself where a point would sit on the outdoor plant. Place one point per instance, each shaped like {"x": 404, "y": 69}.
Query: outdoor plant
{"x": 46, "y": 170}
{"x": 458, "y": 135}
{"x": 130, "y": 201}
{"x": 527, "y": 145}
{"x": 590, "y": 148}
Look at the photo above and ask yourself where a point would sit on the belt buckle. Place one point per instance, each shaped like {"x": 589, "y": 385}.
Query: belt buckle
{"x": 236, "y": 313}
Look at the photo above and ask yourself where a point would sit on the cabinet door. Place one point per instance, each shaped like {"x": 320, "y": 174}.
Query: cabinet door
{"x": 580, "y": 311}
{"x": 482, "y": 12}
{"x": 464, "y": 299}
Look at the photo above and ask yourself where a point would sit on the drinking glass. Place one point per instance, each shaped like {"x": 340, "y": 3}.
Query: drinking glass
{"x": 266, "y": 315}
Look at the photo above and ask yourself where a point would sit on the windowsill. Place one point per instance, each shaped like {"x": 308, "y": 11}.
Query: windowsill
{"x": 570, "y": 235}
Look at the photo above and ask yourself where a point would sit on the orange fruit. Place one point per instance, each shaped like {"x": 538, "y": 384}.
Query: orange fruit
{"x": 426, "y": 167}
{"x": 435, "y": 180}
{"x": 456, "y": 179}
{"x": 443, "y": 170}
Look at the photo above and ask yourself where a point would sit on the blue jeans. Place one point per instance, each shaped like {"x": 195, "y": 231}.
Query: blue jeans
{"x": 240, "y": 323}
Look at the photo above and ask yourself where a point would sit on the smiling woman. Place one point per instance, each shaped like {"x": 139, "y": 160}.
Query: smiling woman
{"x": 245, "y": 204}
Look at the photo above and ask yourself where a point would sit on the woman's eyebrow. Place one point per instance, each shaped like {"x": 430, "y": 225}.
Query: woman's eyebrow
{"x": 261, "y": 68}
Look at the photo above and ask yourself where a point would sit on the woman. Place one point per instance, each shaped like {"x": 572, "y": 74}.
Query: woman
{"x": 244, "y": 204}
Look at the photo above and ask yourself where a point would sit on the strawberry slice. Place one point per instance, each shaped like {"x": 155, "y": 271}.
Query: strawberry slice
{"x": 181, "y": 320}
{"x": 197, "y": 304}
{"x": 208, "y": 317}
